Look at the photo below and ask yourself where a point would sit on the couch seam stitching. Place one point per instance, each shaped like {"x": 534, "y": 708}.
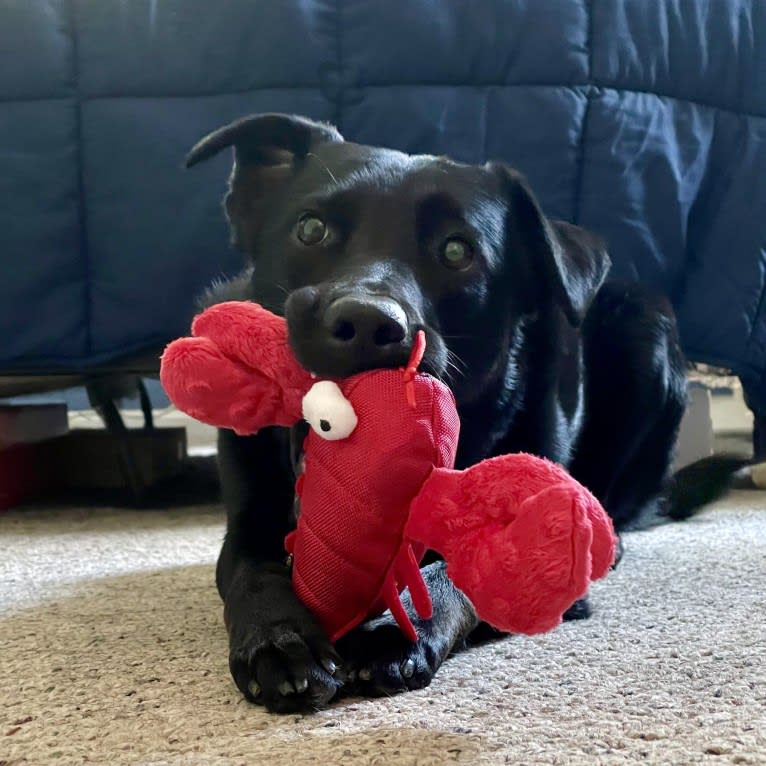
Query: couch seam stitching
{"x": 580, "y": 149}
{"x": 80, "y": 181}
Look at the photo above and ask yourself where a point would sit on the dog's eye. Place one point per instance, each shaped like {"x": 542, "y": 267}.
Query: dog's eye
{"x": 311, "y": 230}
{"x": 457, "y": 253}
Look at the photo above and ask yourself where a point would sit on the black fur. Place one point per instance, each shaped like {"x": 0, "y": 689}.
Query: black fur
{"x": 542, "y": 354}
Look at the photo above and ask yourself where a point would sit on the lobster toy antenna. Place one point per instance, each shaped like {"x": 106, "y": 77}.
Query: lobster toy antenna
{"x": 416, "y": 357}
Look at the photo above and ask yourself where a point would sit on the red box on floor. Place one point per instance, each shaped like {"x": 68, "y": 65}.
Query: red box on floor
{"x": 22, "y": 474}
{"x": 25, "y": 429}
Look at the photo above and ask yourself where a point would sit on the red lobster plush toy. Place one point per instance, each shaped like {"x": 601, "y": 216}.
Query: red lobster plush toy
{"x": 521, "y": 538}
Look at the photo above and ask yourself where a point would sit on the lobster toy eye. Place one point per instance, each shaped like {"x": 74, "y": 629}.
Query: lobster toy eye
{"x": 328, "y": 412}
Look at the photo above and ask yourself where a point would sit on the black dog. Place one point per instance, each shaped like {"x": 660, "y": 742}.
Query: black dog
{"x": 360, "y": 247}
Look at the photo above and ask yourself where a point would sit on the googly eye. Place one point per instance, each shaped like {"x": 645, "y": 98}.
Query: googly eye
{"x": 328, "y": 412}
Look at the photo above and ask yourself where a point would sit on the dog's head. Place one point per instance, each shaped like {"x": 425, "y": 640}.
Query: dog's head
{"x": 360, "y": 247}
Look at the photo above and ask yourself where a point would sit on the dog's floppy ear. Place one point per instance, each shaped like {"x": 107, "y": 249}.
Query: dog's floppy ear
{"x": 264, "y": 139}
{"x": 586, "y": 265}
{"x": 568, "y": 263}
{"x": 267, "y": 150}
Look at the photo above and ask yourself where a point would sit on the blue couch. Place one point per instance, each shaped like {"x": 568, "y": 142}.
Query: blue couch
{"x": 645, "y": 121}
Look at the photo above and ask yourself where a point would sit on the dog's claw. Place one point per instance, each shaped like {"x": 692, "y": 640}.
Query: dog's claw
{"x": 301, "y": 685}
{"x": 408, "y": 668}
{"x": 329, "y": 666}
{"x": 254, "y": 689}
{"x": 286, "y": 689}
{"x": 365, "y": 674}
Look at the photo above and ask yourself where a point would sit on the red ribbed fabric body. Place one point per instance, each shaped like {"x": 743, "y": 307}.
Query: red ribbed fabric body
{"x": 349, "y": 547}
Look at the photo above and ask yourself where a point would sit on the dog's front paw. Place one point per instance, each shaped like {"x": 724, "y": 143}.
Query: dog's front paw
{"x": 380, "y": 660}
{"x": 580, "y": 610}
{"x": 287, "y": 665}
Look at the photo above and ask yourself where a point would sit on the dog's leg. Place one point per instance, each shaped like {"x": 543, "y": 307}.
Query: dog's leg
{"x": 380, "y": 660}
{"x": 278, "y": 654}
{"x": 635, "y": 399}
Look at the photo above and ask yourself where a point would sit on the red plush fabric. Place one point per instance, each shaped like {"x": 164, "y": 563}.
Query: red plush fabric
{"x": 520, "y": 536}
{"x": 237, "y": 371}
{"x": 351, "y": 558}
{"x": 522, "y": 539}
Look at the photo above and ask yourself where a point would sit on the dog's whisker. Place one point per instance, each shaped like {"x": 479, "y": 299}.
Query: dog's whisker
{"x": 447, "y": 378}
{"x": 455, "y": 368}
{"x": 327, "y": 170}
{"x": 455, "y": 362}
{"x": 282, "y": 288}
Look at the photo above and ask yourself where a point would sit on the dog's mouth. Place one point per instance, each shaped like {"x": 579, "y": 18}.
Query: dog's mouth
{"x": 341, "y": 335}
{"x": 327, "y": 366}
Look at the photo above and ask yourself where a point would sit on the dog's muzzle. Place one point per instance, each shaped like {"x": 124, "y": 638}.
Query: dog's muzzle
{"x": 342, "y": 335}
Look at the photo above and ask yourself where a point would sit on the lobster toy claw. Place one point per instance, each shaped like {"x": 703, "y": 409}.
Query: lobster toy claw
{"x": 236, "y": 371}
{"x": 521, "y": 537}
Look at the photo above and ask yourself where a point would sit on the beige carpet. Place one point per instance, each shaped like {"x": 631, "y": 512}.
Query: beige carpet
{"x": 112, "y": 651}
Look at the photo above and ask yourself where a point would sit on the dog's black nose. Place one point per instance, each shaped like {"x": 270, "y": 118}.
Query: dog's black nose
{"x": 366, "y": 325}
{"x": 337, "y": 337}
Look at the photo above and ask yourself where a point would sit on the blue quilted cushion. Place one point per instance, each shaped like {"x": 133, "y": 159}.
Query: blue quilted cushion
{"x": 645, "y": 121}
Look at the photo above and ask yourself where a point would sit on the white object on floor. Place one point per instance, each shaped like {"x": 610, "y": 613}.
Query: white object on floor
{"x": 30, "y": 423}
{"x": 695, "y": 439}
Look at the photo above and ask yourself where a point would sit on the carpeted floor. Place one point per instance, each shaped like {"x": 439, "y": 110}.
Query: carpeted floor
{"x": 112, "y": 651}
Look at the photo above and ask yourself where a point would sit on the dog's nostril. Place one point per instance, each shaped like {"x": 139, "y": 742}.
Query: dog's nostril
{"x": 369, "y": 324}
{"x": 344, "y": 330}
{"x": 389, "y": 333}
